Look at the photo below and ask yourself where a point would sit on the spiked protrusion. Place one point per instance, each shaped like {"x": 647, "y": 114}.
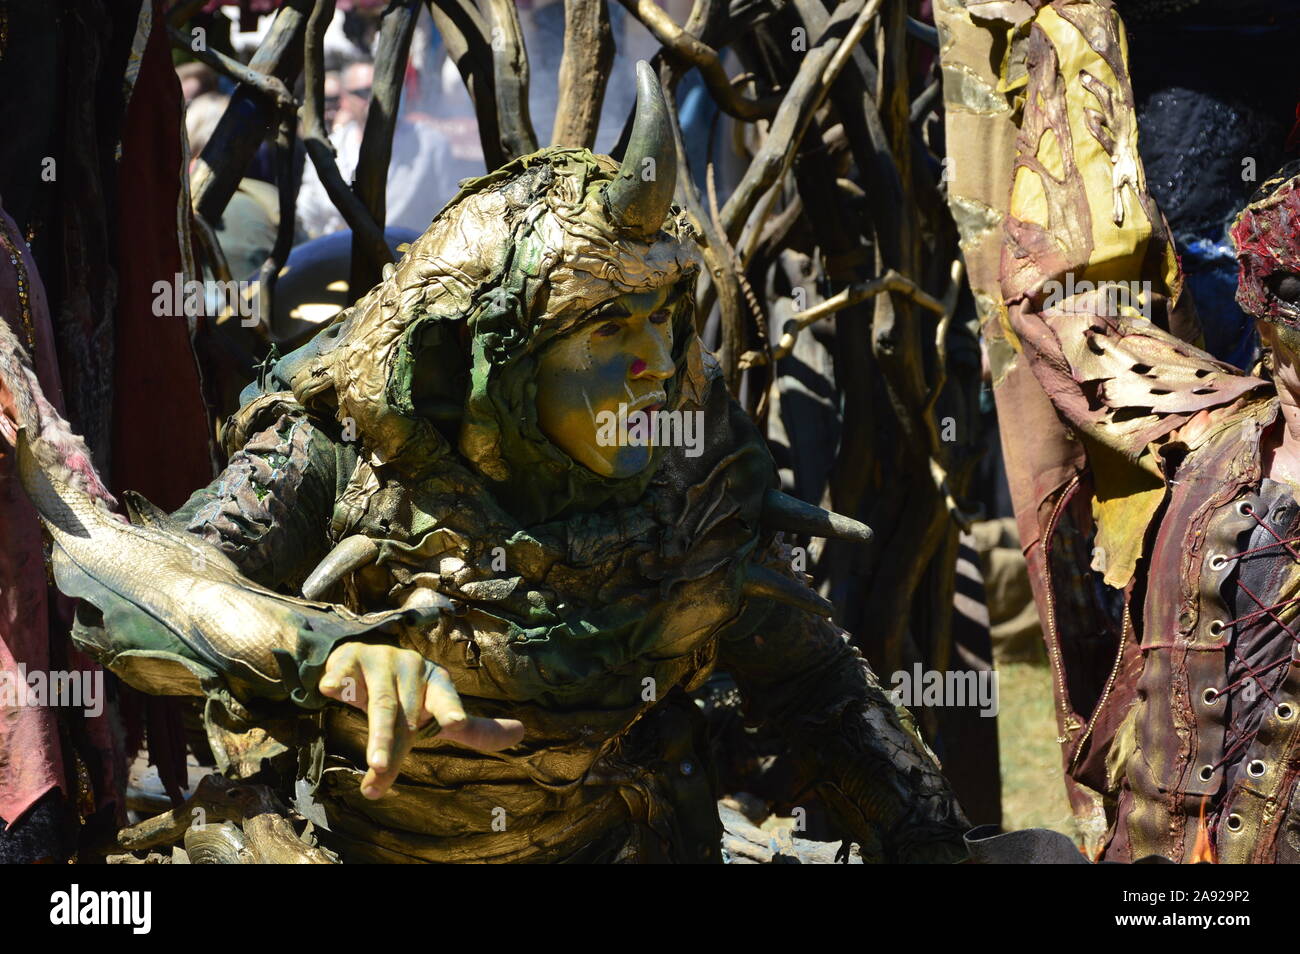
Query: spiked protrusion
{"x": 639, "y": 197}
{"x": 783, "y": 512}
{"x": 766, "y": 583}
{"x": 427, "y": 602}
{"x": 351, "y": 554}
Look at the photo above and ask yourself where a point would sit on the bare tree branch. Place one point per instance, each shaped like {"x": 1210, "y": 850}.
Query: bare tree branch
{"x": 510, "y": 75}
{"x": 285, "y": 138}
{"x": 370, "y": 182}
{"x": 584, "y": 72}
{"x": 269, "y": 86}
{"x": 466, "y": 36}
{"x": 354, "y": 212}
{"x": 855, "y": 294}
{"x": 247, "y": 119}
{"x": 682, "y": 44}
{"x": 821, "y": 65}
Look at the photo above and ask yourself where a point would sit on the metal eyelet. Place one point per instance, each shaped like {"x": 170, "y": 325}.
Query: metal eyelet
{"x": 1218, "y": 562}
{"x": 1210, "y": 696}
{"x": 1216, "y": 627}
{"x": 1234, "y": 822}
{"x": 1255, "y": 768}
{"x": 1285, "y": 712}
{"x": 1207, "y": 772}
{"x": 1245, "y": 508}
{"x": 1280, "y": 514}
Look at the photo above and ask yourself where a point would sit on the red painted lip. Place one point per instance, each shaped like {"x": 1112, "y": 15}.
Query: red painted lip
{"x": 654, "y": 408}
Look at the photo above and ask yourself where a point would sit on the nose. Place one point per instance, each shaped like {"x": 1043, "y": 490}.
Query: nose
{"x": 652, "y": 355}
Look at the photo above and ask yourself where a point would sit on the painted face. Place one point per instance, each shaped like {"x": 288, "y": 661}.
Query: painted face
{"x": 598, "y": 385}
{"x": 1267, "y": 237}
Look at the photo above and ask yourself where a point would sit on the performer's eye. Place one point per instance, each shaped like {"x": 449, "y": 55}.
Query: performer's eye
{"x": 1285, "y": 286}
{"x": 660, "y": 316}
{"x": 607, "y": 329}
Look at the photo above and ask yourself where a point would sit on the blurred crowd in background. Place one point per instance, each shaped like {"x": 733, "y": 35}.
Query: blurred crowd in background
{"x": 435, "y": 143}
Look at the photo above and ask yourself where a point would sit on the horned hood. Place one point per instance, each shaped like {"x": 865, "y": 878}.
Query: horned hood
{"x": 442, "y": 352}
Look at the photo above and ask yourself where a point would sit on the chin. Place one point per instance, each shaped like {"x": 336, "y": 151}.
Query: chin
{"x": 629, "y": 462}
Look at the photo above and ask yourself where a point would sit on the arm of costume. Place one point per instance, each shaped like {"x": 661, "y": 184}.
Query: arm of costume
{"x": 269, "y": 509}
{"x": 880, "y": 782}
{"x": 1089, "y": 279}
{"x": 187, "y": 602}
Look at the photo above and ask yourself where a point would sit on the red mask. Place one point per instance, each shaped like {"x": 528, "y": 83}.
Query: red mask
{"x": 1267, "y": 237}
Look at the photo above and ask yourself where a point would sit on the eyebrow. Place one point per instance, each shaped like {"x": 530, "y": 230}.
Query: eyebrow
{"x": 614, "y": 308}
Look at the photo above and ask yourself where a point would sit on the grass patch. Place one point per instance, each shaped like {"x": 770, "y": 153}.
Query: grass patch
{"x": 1033, "y": 790}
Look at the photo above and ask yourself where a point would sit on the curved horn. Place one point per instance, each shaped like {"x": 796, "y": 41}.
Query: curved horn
{"x": 639, "y": 197}
{"x": 783, "y": 512}
{"x": 768, "y": 584}
{"x": 351, "y": 554}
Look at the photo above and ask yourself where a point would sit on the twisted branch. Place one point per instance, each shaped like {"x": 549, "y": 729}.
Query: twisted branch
{"x": 364, "y": 227}
{"x": 245, "y": 122}
{"x": 703, "y": 57}
{"x": 510, "y": 73}
{"x": 466, "y": 37}
{"x": 370, "y": 182}
{"x": 821, "y": 66}
{"x": 584, "y": 72}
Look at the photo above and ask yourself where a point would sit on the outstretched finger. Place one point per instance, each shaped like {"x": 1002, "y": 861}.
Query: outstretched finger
{"x": 377, "y": 782}
{"x": 381, "y": 713}
{"x": 486, "y": 735}
{"x": 441, "y": 698}
{"x": 410, "y": 674}
{"x": 343, "y": 681}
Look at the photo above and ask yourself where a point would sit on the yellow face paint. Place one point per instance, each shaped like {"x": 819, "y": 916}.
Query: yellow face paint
{"x": 598, "y": 384}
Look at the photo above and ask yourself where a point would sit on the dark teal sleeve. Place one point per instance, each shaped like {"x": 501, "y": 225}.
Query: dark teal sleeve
{"x": 270, "y": 509}
{"x": 880, "y": 783}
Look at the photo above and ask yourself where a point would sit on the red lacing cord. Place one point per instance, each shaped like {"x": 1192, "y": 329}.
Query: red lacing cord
{"x": 1253, "y": 674}
{"x": 1273, "y": 533}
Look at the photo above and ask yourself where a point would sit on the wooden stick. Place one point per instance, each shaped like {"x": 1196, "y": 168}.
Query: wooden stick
{"x": 704, "y": 58}
{"x": 321, "y": 151}
{"x": 510, "y": 75}
{"x": 584, "y": 72}
{"x": 247, "y": 119}
{"x": 855, "y": 294}
{"x": 821, "y": 66}
{"x": 370, "y": 182}
{"x": 466, "y": 36}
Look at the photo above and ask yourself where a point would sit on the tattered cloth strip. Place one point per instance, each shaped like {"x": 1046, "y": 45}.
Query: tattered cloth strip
{"x": 157, "y": 396}
{"x": 33, "y": 761}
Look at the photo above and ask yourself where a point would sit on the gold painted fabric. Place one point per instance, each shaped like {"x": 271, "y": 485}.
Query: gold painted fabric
{"x": 585, "y": 607}
{"x": 1179, "y": 705}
